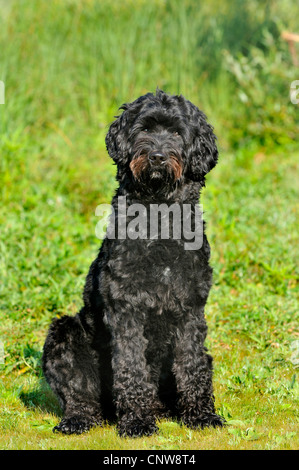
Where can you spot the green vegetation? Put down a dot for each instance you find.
(67, 66)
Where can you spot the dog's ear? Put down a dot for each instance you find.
(116, 138)
(202, 151)
(118, 143)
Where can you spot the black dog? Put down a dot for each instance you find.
(136, 348)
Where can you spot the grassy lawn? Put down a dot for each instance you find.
(252, 313)
(54, 171)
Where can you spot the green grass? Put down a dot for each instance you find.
(62, 89)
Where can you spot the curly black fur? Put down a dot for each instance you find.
(136, 348)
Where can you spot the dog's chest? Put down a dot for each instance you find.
(166, 274)
(156, 277)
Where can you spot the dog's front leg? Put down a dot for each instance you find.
(193, 373)
(134, 394)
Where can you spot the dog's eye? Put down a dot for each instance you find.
(175, 133)
(144, 130)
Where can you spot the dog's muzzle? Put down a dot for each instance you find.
(156, 158)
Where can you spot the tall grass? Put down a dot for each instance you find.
(77, 61)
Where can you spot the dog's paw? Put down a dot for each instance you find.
(204, 420)
(136, 427)
(76, 424)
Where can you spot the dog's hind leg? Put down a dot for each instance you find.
(71, 368)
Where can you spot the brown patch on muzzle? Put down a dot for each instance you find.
(138, 165)
(176, 167)
(173, 166)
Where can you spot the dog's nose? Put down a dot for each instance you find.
(157, 158)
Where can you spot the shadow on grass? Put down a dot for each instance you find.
(35, 392)
(41, 397)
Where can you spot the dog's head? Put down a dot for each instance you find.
(160, 139)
